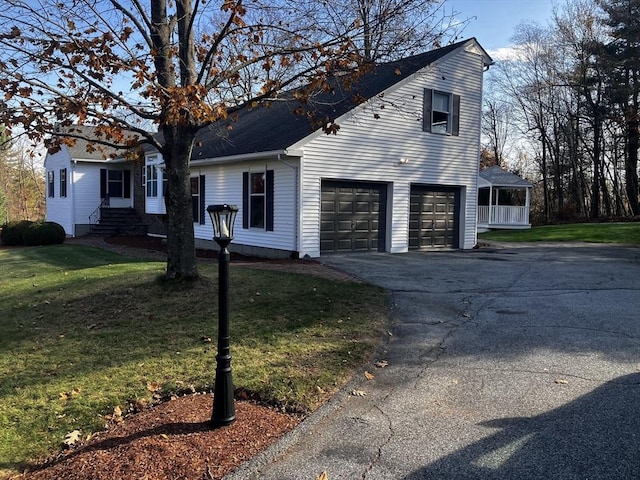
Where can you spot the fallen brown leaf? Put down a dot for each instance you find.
(154, 386)
(71, 438)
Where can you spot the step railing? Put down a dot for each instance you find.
(94, 218)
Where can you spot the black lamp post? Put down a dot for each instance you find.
(224, 412)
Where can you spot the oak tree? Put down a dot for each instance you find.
(128, 67)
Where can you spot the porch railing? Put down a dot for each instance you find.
(95, 215)
(503, 215)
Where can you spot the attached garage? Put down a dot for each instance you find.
(433, 217)
(353, 216)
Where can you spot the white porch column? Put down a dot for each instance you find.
(490, 204)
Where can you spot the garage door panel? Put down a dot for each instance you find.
(363, 225)
(344, 226)
(433, 217)
(345, 206)
(355, 221)
(327, 207)
(365, 207)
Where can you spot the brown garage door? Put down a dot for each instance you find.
(433, 219)
(352, 217)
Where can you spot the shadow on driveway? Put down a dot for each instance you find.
(596, 436)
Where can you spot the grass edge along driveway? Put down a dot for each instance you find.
(614, 232)
(86, 334)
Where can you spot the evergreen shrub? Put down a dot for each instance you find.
(44, 233)
(13, 232)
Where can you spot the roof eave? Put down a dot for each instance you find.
(246, 157)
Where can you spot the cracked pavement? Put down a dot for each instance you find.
(507, 362)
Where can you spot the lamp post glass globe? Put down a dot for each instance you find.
(223, 218)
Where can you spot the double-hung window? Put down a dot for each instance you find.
(257, 200)
(63, 182)
(115, 187)
(441, 112)
(151, 178)
(115, 183)
(197, 199)
(51, 184)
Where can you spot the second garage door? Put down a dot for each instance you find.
(433, 219)
(352, 217)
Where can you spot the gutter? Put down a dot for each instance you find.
(269, 155)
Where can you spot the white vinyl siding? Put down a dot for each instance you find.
(224, 185)
(370, 149)
(60, 209)
(86, 190)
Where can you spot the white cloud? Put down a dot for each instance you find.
(506, 53)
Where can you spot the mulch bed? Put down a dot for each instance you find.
(173, 440)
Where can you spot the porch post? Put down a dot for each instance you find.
(527, 204)
(490, 220)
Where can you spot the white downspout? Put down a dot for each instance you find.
(72, 184)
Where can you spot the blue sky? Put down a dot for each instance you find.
(497, 19)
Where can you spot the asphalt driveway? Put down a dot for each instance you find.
(507, 362)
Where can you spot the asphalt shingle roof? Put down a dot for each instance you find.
(501, 178)
(79, 149)
(264, 129)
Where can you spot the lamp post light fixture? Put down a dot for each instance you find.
(224, 412)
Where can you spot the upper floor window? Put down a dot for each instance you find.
(441, 112)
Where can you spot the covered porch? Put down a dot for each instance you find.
(503, 200)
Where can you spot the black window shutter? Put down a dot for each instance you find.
(202, 202)
(426, 110)
(127, 184)
(269, 201)
(455, 119)
(103, 183)
(245, 199)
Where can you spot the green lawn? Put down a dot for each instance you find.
(628, 233)
(83, 331)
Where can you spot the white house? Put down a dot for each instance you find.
(401, 173)
(82, 184)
